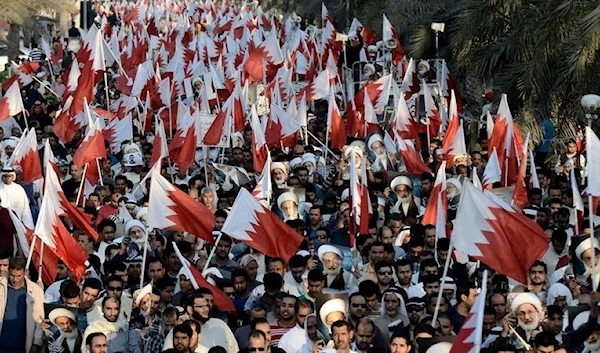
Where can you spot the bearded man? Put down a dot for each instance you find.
(407, 202)
(338, 279)
(288, 204)
(69, 340)
(525, 317)
(136, 230)
(14, 197)
(584, 252)
(279, 174)
(116, 330)
(381, 161)
(145, 310)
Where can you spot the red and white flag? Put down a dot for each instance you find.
(159, 146)
(92, 146)
(118, 131)
(495, 234)
(25, 238)
(492, 173)
(402, 124)
(412, 159)
(267, 52)
(318, 88)
(22, 74)
(468, 339)
(11, 103)
(520, 198)
(454, 141)
(26, 157)
(431, 111)
(507, 141)
(359, 196)
(261, 229)
(433, 207)
(389, 33)
(593, 144)
(410, 83)
(379, 91)
(222, 301)
(335, 124)
(489, 125)
(51, 230)
(171, 208)
(578, 206)
(259, 143)
(264, 189)
(534, 181)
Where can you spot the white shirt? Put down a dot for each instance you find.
(214, 332)
(288, 278)
(13, 197)
(293, 340)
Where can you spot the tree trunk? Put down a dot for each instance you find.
(13, 41)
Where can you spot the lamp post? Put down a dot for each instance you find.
(437, 27)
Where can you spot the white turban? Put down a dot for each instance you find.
(526, 298)
(559, 290)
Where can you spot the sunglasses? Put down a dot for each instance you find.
(257, 349)
(413, 309)
(383, 273)
(111, 288)
(359, 305)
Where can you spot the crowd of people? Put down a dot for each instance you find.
(373, 269)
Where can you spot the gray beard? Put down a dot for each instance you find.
(70, 335)
(332, 272)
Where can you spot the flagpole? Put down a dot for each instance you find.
(30, 255)
(322, 144)
(591, 213)
(212, 252)
(105, 76)
(41, 260)
(99, 172)
(81, 184)
(144, 261)
(440, 291)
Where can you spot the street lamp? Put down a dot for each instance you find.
(437, 27)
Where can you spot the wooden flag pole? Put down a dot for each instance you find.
(440, 292)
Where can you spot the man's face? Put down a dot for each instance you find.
(156, 270)
(289, 208)
(8, 178)
(201, 309)
(377, 254)
(98, 345)
(415, 312)
(572, 147)
(123, 275)
(555, 323)
(65, 324)
(558, 246)
(331, 261)
(322, 236)
(303, 312)
(315, 217)
(114, 288)
(528, 316)
(297, 273)
(276, 267)
(302, 176)
(88, 297)
(181, 342)
(4, 267)
(341, 337)
(372, 303)
(16, 278)
(426, 185)
(399, 345)
(562, 222)
(364, 336)
(240, 285)
(470, 300)
(257, 345)
(432, 288)
(358, 307)
(286, 309)
(430, 237)
(108, 234)
(392, 303)
(384, 276)
(266, 329)
(404, 275)
(427, 270)
(315, 287)
(219, 221)
(537, 275)
(111, 310)
(415, 252)
(169, 321)
(489, 321)
(499, 305)
(555, 194)
(387, 236)
(166, 295)
(446, 326)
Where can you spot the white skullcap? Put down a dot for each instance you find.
(401, 180)
(294, 162)
(350, 149)
(345, 194)
(9, 142)
(131, 148)
(134, 223)
(526, 298)
(332, 306)
(456, 183)
(309, 158)
(287, 196)
(585, 245)
(374, 138)
(147, 289)
(326, 248)
(61, 312)
(425, 63)
(581, 319)
(559, 290)
(303, 253)
(440, 347)
(278, 165)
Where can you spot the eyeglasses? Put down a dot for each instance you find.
(257, 349)
(412, 309)
(383, 273)
(359, 305)
(111, 288)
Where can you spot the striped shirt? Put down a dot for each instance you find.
(277, 332)
(36, 54)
